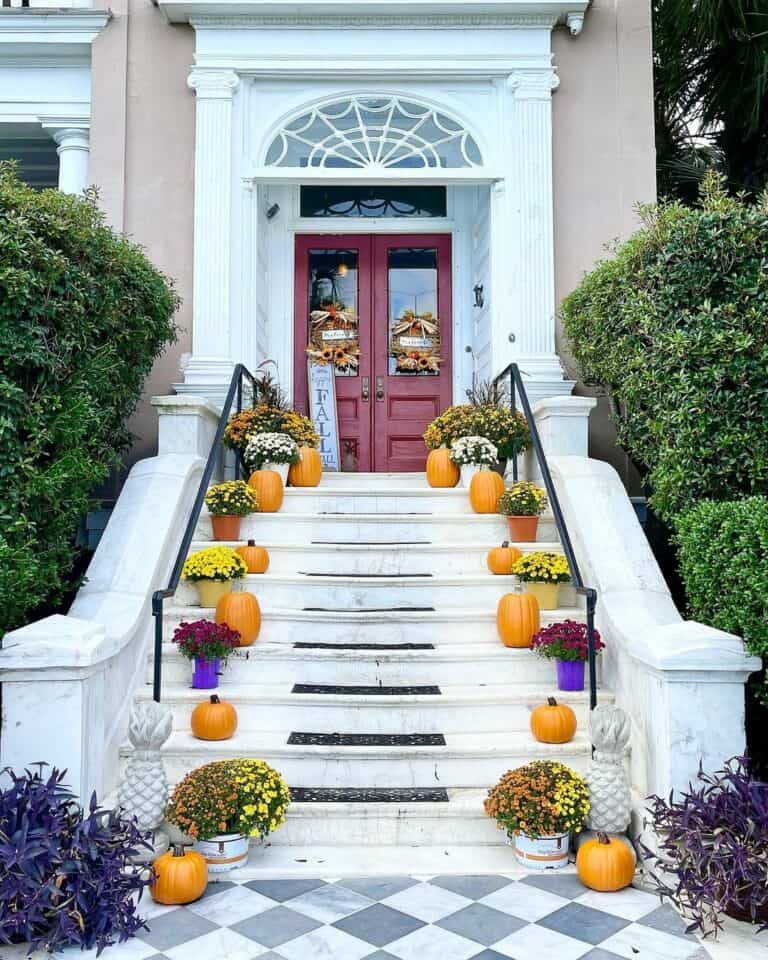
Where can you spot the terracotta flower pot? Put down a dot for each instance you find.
(522, 529)
(547, 594)
(226, 526)
(211, 591)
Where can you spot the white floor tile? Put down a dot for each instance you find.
(231, 906)
(326, 943)
(433, 943)
(426, 902)
(537, 943)
(524, 901)
(629, 903)
(216, 944)
(637, 942)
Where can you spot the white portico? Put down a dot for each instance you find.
(460, 72)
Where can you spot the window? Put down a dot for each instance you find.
(368, 131)
(380, 201)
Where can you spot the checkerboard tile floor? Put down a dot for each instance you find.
(404, 918)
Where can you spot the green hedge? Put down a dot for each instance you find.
(83, 315)
(723, 555)
(675, 327)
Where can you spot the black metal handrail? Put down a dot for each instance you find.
(234, 396)
(517, 388)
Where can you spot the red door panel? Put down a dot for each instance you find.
(382, 409)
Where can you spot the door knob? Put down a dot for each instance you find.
(366, 389)
(380, 389)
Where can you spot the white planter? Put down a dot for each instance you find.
(540, 853)
(468, 470)
(281, 468)
(224, 852)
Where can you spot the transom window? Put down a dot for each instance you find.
(369, 131)
(386, 200)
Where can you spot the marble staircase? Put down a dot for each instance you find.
(378, 685)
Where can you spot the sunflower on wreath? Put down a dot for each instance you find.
(418, 361)
(344, 356)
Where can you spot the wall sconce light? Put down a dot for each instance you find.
(479, 298)
(273, 211)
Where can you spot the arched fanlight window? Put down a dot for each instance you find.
(371, 131)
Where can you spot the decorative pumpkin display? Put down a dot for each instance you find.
(256, 558)
(500, 559)
(441, 470)
(553, 722)
(517, 619)
(308, 471)
(269, 489)
(213, 720)
(605, 863)
(240, 611)
(484, 491)
(181, 876)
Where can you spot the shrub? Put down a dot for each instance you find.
(540, 798)
(233, 498)
(83, 315)
(522, 499)
(675, 327)
(468, 450)
(509, 431)
(66, 876)
(713, 848)
(723, 557)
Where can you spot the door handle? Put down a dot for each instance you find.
(366, 389)
(380, 389)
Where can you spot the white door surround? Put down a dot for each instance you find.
(480, 82)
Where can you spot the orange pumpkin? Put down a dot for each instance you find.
(213, 720)
(241, 612)
(181, 876)
(500, 559)
(307, 472)
(256, 558)
(553, 722)
(269, 489)
(605, 863)
(441, 470)
(517, 619)
(484, 491)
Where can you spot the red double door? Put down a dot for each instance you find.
(381, 305)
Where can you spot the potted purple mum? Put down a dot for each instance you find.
(207, 645)
(567, 643)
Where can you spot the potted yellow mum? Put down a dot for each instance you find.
(542, 573)
(227, 504)
(212, 570)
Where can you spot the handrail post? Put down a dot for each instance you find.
(513, 407)
(591, 598)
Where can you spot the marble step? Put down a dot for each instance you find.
(467, 760)
(298, 528)
(379, 481)
(365, 559)
(441, 628)
(466, 663)
(373, 593)
(455, 709)
(384, 498)
(462, 821)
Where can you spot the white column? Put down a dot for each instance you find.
(534, 267)
(74, 151)
(209, 369)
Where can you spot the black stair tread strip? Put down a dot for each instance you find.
(368, 576)
(369, 739)
(370, 543)
(307, 645)
(368, 609)
(375, 691)
(369, 795)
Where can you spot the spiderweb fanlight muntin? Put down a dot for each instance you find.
(373, 131)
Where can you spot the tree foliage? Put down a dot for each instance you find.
(83, 315)
(711, 90)
(675, 326)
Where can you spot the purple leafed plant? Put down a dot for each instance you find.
(206, 640)
(66, 876)
(566, 640)
(713, 848)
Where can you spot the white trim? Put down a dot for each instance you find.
(370, 175)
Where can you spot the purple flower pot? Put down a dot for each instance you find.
(570, 674)
(205, 675)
